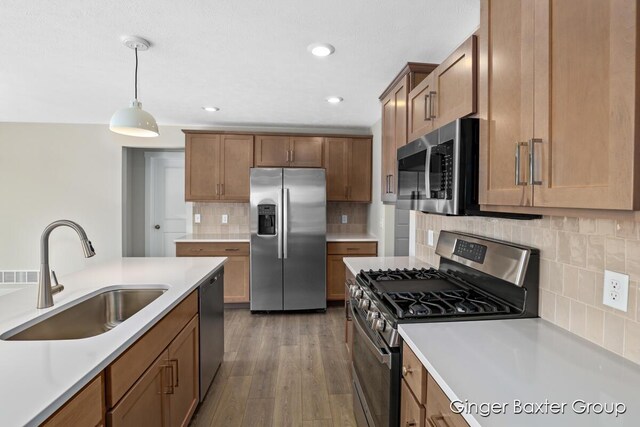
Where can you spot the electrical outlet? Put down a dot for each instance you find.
(430, 237)
(196, 218)
(345, 219)
(616, 290)
(225, 219)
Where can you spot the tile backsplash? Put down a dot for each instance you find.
(574, 253)
(211, 218)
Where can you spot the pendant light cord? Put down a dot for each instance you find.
(136, 76)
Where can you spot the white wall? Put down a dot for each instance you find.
(53, 171)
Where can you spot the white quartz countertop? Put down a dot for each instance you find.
(214, 238)
(246, 237)
(355, 264)
(38, 377)
(530, 360)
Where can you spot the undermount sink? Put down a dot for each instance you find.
(94, 316)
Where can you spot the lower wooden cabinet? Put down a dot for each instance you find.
(86, 408)
(184, 362)
(236, 269)
(412, 413)
(336, 269)
(438, 409)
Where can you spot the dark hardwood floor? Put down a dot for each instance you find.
(281, 370)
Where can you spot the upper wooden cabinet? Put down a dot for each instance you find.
(217, 167)
(564, 92)
(448, 93)
(288, 151)
(348, 165)
(394, 122)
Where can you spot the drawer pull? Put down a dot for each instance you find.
(438, 421)
(170, 387)
(196, 249)
(353, 249)
(406, 371)
(410, 423)
(172, 361)
(232, 249)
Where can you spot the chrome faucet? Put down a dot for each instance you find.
(45, 290)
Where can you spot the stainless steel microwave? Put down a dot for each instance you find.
(438, 173)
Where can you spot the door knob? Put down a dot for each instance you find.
(157, 226)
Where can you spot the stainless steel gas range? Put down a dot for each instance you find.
(478, 279)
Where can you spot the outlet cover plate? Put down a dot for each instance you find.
(616, 290)
(345, 219)
(225, 218)
(430, 237)
(196, 218)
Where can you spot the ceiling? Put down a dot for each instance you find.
(63, 61)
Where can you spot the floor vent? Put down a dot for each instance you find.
(19, 277)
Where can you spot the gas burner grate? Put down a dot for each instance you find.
(405, 274)
(452, 303)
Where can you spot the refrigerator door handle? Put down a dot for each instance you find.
(285, 223)
(279, 230)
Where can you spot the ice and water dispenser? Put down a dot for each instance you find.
(267, 220)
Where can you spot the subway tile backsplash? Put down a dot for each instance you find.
(574, 253)
(211, 218)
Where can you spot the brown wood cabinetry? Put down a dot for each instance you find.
(564, 91)
(348, 166)
(422, 401)
(85, 408)
(336, 270)
(155, 382)
(288, 151)
(448, 93)
(236, 269)
(217, 167)
(394, 122)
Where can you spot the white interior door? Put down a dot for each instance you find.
(167, 210)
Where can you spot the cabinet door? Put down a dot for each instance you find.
(86, 408)
(236, 155)
(438, 409)
(272, 151)
(388, 146)
(360, 170)
(306, 152)
(183, 357)
(585, 106)
(236, 279)
(202, 170)
(421, 104)
(411, 412)
(147, 402)
(505, 100)
(337, 168)
(455, 85)
(335, 278)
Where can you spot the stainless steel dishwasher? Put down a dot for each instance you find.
(211, 302)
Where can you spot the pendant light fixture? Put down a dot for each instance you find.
(134, 121)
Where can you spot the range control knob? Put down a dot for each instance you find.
(357, 294)
(353, 289)
(371, 315)
(379, 325)
(364, 303)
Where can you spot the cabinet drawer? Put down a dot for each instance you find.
(352, 248)
(86, 408)
(212, 249)
(412, 413)
(127, 368)
(414, 373)
(439, 412)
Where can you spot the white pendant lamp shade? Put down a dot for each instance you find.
(134, 121)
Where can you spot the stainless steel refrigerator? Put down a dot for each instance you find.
(288, 239)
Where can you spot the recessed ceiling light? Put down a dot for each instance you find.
(321, 49)
(334, 99)
(211, 109)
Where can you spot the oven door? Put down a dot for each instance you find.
(376, 377)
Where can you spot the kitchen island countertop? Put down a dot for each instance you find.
(38, 377)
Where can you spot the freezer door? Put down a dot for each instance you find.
(266, 259)
(304, 239)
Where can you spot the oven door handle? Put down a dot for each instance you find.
(381, 354)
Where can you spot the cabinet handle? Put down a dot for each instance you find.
(232, 249)
(391, 185)
(518, 145)
(410, 423)
(169, 369)
(431, 95)
(352, 249)
(532, 160)
(293, 153)
(406, 371)
(222, 189)
(287, 156)
(386, 190)
(434, 420)
(196, 249)
(172, 361)
(217, 189)
(427, 105)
